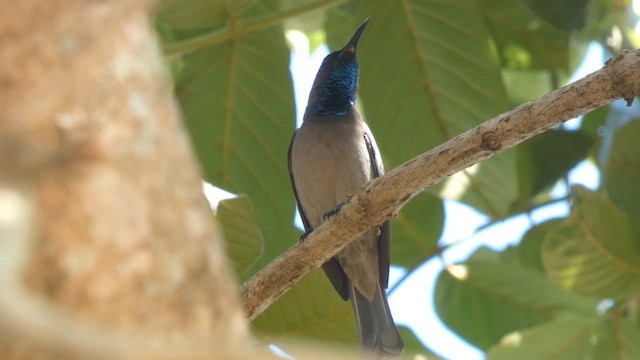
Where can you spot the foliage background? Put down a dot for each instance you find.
(430, 69)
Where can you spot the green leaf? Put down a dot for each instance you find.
(416, 231)
(622, 175)
(572, 337)
(486, 300)
(311, 309)
(241, 233)
(523, 41)
(595, 251)
(617, 338)
(544, 159)
(530, 248)
(188, 14)
(566, 15)
(566, 338)
(237, 100)
(440, 78)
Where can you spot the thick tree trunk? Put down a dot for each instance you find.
(101, 208)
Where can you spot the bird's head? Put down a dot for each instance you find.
(334, 89)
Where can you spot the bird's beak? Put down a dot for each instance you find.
(352, 45)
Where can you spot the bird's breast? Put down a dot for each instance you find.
(329, 163)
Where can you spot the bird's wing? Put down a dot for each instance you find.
(332, 267)
(305, 222)
(384, 242)
(374, 154)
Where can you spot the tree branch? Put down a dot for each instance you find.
(383, 197)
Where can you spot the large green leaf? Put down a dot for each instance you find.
(428, 73)
(523, 41)
(547, 157)
(237, 100)
(483, 300)
(596, 250)
(416, 231)
(572, 337)
(566, 338)
(311, 309)
(622, 176)
(241, 233)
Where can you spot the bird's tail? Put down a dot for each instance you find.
(377, 333)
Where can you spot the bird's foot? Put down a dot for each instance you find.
(304, 236)
(331, 213)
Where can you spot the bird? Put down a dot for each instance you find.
(331, 156)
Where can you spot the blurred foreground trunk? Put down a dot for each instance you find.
(107, 246)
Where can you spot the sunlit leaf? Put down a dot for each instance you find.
(565, 338)
(484, 300)
(572, 337)
(595, 251)
(523, 41)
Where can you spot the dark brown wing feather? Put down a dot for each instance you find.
(384, 242)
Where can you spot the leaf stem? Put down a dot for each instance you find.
(229, 30)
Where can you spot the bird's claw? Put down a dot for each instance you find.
(329, 214)
(304, 235)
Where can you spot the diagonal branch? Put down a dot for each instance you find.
(383, 197)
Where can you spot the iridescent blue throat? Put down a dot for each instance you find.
(338, 92)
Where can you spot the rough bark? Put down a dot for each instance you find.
(115, 254)
(382, 198)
